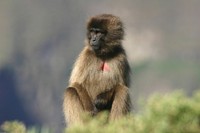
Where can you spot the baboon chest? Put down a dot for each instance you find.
(101, 79)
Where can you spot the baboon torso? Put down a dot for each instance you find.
(88, 71)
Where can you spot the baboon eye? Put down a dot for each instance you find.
(91, 30)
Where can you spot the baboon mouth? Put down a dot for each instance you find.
(95, 47)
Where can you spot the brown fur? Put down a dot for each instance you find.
(89, 85)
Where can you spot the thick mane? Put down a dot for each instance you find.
(109, 23)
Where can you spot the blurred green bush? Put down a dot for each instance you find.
(168, 113)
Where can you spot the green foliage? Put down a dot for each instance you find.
(172, 113)
(13, 127)
(169, 113)
(19, 127)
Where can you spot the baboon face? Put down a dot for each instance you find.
(96, 38)
(103, 30)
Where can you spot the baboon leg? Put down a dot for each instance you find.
(76, 103)
(121, 102)
(72, 106)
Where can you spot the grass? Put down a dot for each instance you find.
(169, 113)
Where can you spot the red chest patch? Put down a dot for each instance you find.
(105, 67)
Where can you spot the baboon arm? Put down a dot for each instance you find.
(121, 102)
(84, 97)
(76, 103)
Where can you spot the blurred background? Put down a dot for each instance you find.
(40, 39)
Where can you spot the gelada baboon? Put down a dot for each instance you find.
(100, 78)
